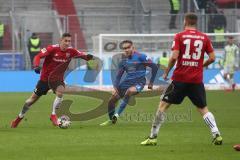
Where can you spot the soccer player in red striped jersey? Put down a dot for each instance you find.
(189, 47)
(56, 60)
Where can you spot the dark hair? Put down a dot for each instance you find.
(66, 35)
(164, 54)
(191, 19)
(125, 41)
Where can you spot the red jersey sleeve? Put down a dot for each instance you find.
(79, 54)
(209, 47)
(176, 43)
(43, 53)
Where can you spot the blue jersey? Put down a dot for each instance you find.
(135, 69)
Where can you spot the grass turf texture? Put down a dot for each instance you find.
(183, 136)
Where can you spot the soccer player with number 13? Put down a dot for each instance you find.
(188, 49)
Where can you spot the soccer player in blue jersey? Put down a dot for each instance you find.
(134, 65)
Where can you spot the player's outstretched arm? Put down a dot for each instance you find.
(87, 57)
(83, 55)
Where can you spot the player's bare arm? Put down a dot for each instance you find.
(84, 55)
(210, 59)
(171, 63)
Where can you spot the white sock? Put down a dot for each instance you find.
(210, 121)
(157, 122)
(56, 104)
(117, 115)
(25, 108)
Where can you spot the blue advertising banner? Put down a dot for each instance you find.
(11, 61)
(25, 81)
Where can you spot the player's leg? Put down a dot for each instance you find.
(197, 95)
(58, 90)
(41, 89)
(130, 92)
(211, 122)
(232, 83)
(111, 104)
(28, 103)
(159, 118)
(111, 107)
(31, 100)
(59, 98)
(172, 95)
(228, 72)
(157, 123)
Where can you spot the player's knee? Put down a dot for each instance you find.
(203, 110)
(30, 101)
(59, 91)
(129, 92)
(59, 94)
(163, 106)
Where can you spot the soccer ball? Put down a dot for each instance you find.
(64, 122)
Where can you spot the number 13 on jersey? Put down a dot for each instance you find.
(196, 55)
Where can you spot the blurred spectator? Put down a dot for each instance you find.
(217, 23)
(34, 43)
(175, 7)
(216, 17)
(1, 34)
(202, 3)
(163, 61)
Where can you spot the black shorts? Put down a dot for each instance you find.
(42, 87)
(195, 92)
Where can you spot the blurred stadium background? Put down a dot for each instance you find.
(95, 24)
(86, 19)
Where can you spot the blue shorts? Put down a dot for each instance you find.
(122, 90)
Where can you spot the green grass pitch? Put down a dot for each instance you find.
(183, 137)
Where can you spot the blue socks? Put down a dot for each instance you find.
(123, 104)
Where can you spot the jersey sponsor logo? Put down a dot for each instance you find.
(60, 60)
